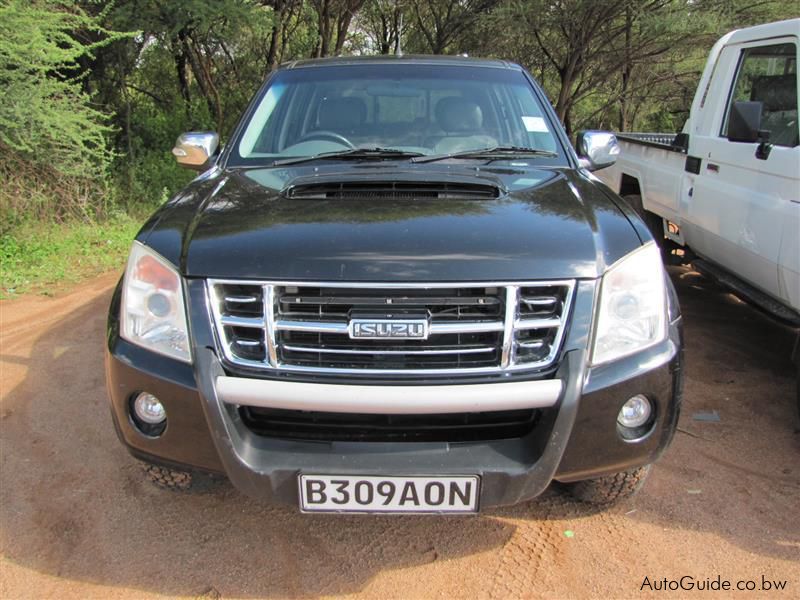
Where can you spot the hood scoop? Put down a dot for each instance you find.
(392, 190)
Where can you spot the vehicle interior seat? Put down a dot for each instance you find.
(778, 93)
(461, 120)
(342, 115)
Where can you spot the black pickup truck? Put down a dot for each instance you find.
(397, 288)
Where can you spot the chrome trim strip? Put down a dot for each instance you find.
(512, 300)
(379, 285)
(249, 343)
(435, 328)
(466, 327)
(522, 324)
(531, 345)
(539, 300)
(242, 322)
(383, 399)
(320, 350)
(311, 326)
(269, 317)
(241, 299)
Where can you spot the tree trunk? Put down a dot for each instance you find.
(179, 57)
(627, 67)
(276, 38)
(203, 78)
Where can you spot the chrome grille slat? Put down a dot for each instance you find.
(535, 345)
(473, 328)
(251, 343)
(234, 321)
(436, 328)
(380, 301)
(431, 351)
(539, 301)
(466, 327)
(536, 323)
(241, 299)
(311, 326)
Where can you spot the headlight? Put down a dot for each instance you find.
(632, 310)
(153, 313)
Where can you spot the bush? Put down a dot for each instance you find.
(54, 154)
(36, 257)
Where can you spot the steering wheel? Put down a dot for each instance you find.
(326, 135)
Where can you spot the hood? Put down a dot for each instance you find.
(544, 224)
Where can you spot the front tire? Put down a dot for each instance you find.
(166, 478)
(611, 489)
(178, 480)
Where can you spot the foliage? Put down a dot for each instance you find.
(42, 107)
(54, 152)
(37, 257)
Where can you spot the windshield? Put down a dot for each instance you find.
(418, 109)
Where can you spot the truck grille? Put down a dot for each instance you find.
(469, 328)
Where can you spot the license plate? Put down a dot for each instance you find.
(368, 494)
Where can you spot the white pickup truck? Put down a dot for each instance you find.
(727, 189)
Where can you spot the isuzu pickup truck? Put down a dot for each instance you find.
(396, 289)
(727, 189)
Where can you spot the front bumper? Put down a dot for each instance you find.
(576, 439)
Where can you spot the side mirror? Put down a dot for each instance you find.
(744, 122)
(195, 149)
(597, 149)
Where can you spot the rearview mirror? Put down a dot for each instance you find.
(744, 122)
(597, 149)
(195, 149)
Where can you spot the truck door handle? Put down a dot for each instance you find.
(712, 167)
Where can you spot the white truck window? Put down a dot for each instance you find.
(768, 74)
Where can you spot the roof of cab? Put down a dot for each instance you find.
(403, 59)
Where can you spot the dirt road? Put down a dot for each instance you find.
(78, 520)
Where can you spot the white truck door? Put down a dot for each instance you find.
(740, 203)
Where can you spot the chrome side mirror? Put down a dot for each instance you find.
(597, 149)
(195, 149)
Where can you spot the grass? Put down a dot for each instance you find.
(43, 257)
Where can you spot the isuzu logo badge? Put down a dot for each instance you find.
(377, 329)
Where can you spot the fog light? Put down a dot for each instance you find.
(148, 409)
(635, 412)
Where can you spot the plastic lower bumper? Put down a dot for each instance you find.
(577, 439)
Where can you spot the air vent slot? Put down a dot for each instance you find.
(242, 300)
(542, 302)
(454, 427)
(393, 190)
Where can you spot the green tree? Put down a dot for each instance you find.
(54, 141)
(45, 116)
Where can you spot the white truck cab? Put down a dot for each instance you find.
(727, 189)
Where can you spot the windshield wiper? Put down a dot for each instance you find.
(355, 153)
(493, 153)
